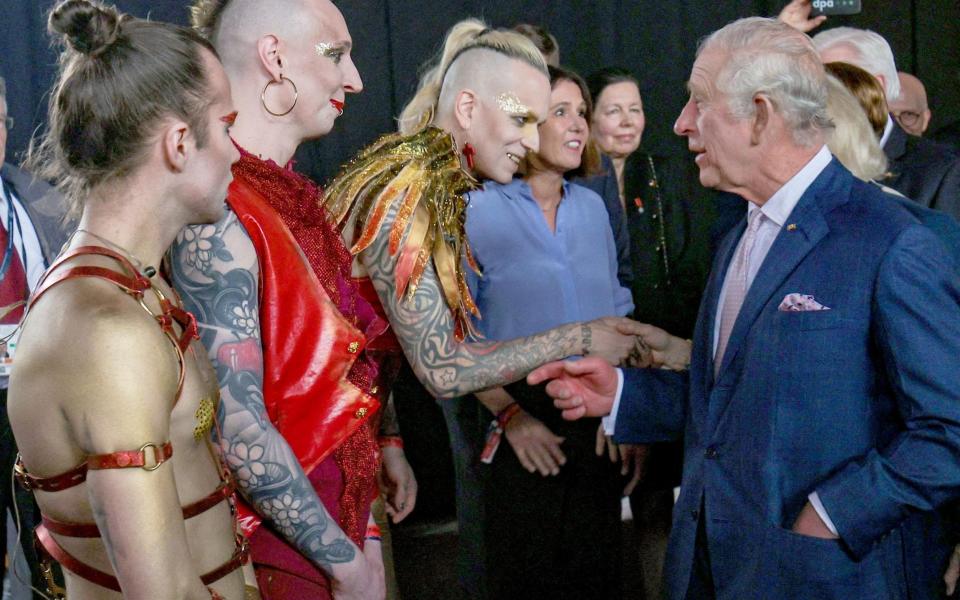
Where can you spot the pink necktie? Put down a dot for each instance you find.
(736, 287)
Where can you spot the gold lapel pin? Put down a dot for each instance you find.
(792, 227)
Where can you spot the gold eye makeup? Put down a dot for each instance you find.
(510, 104)
(332, 51)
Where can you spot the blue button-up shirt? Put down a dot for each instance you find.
(535, 279)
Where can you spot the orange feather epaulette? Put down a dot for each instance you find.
(420, 177)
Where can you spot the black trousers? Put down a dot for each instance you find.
(25, 504)
(554, 537)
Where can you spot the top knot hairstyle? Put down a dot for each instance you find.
(87, 28)
(119, 78)
(466, 36)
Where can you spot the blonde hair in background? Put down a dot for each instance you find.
(852, 140)
(465, 36)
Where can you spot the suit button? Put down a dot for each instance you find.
(694, 514)
(711, 452)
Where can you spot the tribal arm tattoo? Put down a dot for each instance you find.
(215, 270)
(425, 328)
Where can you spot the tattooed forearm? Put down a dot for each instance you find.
(215, 270)
(424, 326)
(271, 479)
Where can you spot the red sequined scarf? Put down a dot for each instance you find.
(298, 202)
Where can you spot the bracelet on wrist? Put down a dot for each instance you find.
(495, 431)
(373, 533)
(505, 415)
(394, 441)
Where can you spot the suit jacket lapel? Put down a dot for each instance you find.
(788, 250)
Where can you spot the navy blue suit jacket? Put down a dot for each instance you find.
(860, 403)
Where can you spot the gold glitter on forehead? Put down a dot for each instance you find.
(510, 104)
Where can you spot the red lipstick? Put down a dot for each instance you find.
(337, 104)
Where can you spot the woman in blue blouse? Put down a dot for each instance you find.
(546, 250)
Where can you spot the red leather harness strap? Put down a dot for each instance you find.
(48, 546)
(239, 558)
(77, 475)
(63, 481)
(135, 286)
(132, 458)
(48, 549)
(90, 530)
(223, 491)
(77, 530)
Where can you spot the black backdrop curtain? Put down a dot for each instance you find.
(656, 39)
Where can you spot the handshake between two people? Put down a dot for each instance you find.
(587, 387)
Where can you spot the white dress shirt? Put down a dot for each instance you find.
(886, 131)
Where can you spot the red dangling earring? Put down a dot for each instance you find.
(469, 152)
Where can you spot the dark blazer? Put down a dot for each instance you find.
(949, 135)
(46, 207)
(669, 217)
(924, 171)
(858, 403)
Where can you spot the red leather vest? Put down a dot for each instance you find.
(308, 346)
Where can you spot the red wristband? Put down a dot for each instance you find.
(504, 416)
(495, 432)
(373, 532)
(394, 441)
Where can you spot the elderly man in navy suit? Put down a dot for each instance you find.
(821, 411)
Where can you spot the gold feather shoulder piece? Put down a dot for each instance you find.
(420, 177)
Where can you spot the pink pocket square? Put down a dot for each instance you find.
(800, 303)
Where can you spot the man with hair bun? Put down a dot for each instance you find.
(819, 415)
(112, 400)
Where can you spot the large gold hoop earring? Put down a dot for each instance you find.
(263, 100)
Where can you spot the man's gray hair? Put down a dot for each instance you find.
(770, 57)
(874, 53)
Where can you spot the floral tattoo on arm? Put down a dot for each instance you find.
(214, 269)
